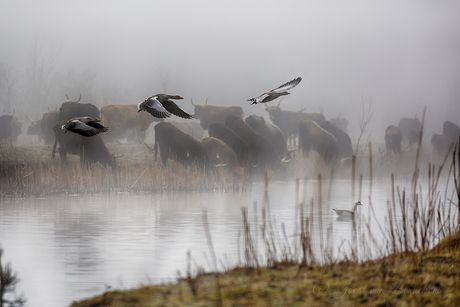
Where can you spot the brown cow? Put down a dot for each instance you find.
(208, 114)
(221, 155)
(120, 117)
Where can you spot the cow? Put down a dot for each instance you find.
(288, 121)
(451, 130)
(262, 152)
(122, 117)
(208, 114)
(345, 146)
(220, 154)
(233, 140)
(271, 132)
(90, 149)
(48, 121)
(6, 127)
(10, 128)
(189, 127)
(312, 136)
(72, 109)
(179, 146)
(406, 125)
(441, 144)
(340, 122)
(393, 139)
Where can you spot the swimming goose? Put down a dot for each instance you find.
(348, 212)
(160, 106)
(85, 126)
(275, 93)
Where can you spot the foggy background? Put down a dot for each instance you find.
(395, 56)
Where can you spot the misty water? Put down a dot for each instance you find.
(66, 248)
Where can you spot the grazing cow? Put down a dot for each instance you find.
(393, 139)
(345, 146)
(73, 109)
(406, 125)
(121, 117)
(271, 132)
(233, 140)
(340, 122)
(288, 121)
(90, 149)
(221, 155)
(213, 114)
(262, 153)
(178, 145)
(312, 136)
(189, 127)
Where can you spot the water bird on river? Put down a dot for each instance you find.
(347, 213)
(85, 126)
(275, 93)
(161, 106)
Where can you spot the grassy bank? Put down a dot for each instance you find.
(412, 279)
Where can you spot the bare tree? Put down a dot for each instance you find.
(41, 75)
(8, 281)
(8, 80)
(367, 112)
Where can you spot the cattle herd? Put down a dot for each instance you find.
(236, 143)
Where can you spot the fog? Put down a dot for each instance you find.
(399, 56)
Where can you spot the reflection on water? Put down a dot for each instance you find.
(71, 247)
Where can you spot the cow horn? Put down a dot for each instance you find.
(78, 98)
(279, 103)
(206, 101)
(191, 100)
(67, 97)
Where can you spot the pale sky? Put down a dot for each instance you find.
(402, 55)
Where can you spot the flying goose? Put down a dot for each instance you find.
(161, 106)
(85, 126)
(275, 93)
(347, 213)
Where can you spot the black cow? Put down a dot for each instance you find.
(6, 128)
(288, 121)
(10, 128)
(262, 153)
(271, 132)
(451, 130)
(312, 136)
(393, 139)
(345, 146)
(90, 149)
(43, 127)
(406, 125)
(233, 140)
(441, 143)
(73, 109)
(178, 145)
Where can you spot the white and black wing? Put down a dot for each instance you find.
(259, 98)
(154, 107)
(287, 86)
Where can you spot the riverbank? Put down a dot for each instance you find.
(413, 279)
